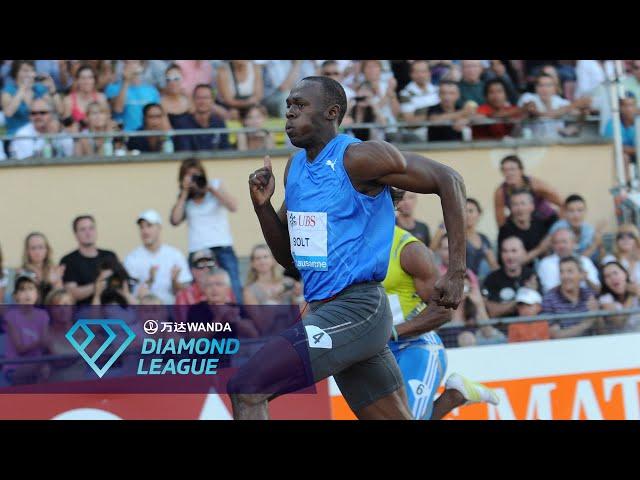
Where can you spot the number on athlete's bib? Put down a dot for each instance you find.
(419, 389)
(318, 338)
(308, 234)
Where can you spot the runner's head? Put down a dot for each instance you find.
(315, 108)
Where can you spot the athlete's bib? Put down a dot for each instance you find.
(308, 235)
(396, 309)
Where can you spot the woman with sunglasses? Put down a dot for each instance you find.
(173, 99)
(83, 93)
(626, 250)
(619, 292)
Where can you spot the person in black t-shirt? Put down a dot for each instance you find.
(522, 223)
(154, 119)
(448, 109)
(82, 265)
(500, 286)
(406, 220)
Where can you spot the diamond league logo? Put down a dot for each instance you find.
(107, 326)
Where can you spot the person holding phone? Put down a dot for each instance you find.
(205, 204)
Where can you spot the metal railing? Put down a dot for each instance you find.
(212, 131)
(449, 333)
(550, 317)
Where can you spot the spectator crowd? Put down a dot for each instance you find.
(106, 103)
(548, 260)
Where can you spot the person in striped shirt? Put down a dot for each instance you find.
(570, 297)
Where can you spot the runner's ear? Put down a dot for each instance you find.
(333, 112)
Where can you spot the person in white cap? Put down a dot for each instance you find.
(529, 304)
(159, 268)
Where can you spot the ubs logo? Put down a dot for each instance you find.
(292, 219)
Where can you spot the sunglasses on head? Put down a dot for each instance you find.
(173, 79)
(39, 112)
(332, 74)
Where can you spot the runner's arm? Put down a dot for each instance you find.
(274, 226)
(381, 163)
(417, 260)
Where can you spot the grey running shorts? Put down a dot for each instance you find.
(347, 337)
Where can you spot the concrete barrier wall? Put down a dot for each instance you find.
(46, 198)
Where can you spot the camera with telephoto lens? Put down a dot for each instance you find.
(119, 276)
(199, 180)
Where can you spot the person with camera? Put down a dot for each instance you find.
(82, 266)
(366, 109)
(113, 285)
(205, 204)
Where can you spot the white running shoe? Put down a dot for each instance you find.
(473, 392)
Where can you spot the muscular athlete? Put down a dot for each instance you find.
(336, 227)
(417, 348)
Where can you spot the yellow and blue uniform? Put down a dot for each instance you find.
(422, 359)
